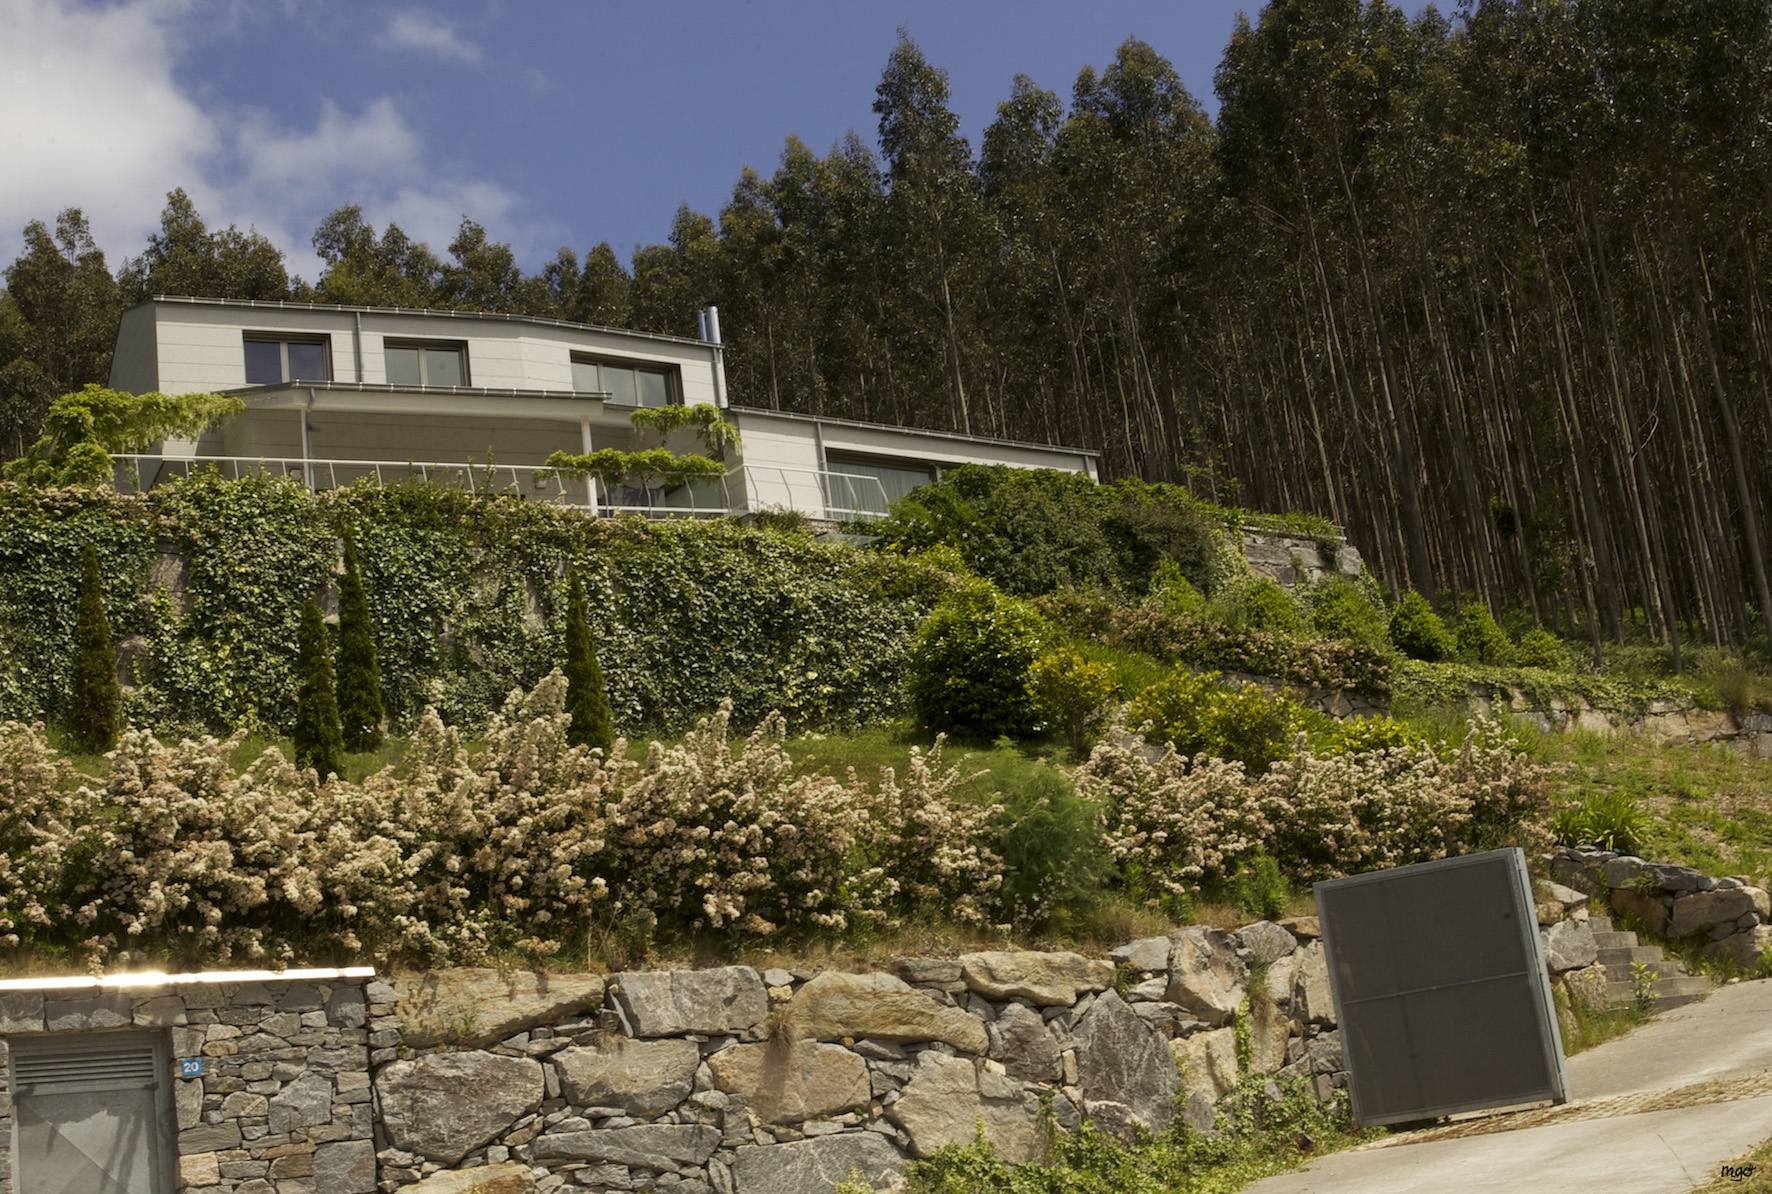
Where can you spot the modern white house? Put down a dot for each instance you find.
(336, 394)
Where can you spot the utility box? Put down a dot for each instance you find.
(93, 1112)
(1440, 988)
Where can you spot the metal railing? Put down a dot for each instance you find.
(813, 492)
(840, 496)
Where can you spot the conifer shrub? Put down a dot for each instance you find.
(969, 666)
(1417, 631)
(586, 700)
(94, 699)
(1479, 639)
(319, 743)
(1259, 888)
(360, 709)
(1538, 647)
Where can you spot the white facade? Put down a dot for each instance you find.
(338, 393)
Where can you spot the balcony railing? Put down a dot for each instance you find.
(746, 489)
(816, 493)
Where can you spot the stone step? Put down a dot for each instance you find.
(1619, 958)
(1616, 940)
(1599, 924)
(1672, 991)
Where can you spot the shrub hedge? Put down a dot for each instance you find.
(469, 599)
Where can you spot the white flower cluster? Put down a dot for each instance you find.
(457, 855)
(1175, 823)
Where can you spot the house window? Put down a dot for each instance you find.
(426, 362)
(272, 360)
(896, 477)
(625, 382)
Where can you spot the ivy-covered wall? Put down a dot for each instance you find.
(207, 577)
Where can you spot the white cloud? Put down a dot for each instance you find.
(417, 31)
(93, 118)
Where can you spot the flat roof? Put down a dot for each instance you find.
(953, 435)
(428, 312)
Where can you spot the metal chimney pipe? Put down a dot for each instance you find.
(713, 317)
(701, 324)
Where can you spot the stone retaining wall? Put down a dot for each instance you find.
(285, 1104)
(1661, 722)
(1725, 918)
(782, 1082)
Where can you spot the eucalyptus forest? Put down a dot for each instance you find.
(1483, 289)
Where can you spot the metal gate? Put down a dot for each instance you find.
(92, 1114)
(1440, 988)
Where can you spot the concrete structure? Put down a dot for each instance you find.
(334, 394)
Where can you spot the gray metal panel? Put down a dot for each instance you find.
(92, 1113)
(1440, 988)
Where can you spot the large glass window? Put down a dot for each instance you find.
(896, 478)
(425, 363)
(625, 383)
(272, 360)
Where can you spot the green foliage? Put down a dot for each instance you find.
(1175, 593)
(1361, 735)
(1259, 889)
(93, 716)
(648, 469)
(1202, 716)
(1034, 531)
(717, 435)
(318, 741)
(969, 667)
(468, 599)
(1054, 862)
(1612, 820)
(1201, 643)
(82, 429)
(360, 710)
(1479, 639)
(593, 724)
(1256, 1138)
(1072, 693)
(1342, 610)
(1540, 648)
(1417, 631)
(1267, 606)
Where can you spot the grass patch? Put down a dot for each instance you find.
(1750, 1173)
(1596, 1026)
(1258, 1139)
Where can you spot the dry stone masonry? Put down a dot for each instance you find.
(731, 1081)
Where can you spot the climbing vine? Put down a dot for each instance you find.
(468, 598)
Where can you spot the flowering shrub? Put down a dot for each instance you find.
(1173, 823)
(452, 855)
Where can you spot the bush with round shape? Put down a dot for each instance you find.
(1266, 606)
(1479, 639)
(1417, 631)
(319, 743)
(1538, 647)
(969, 665)
(1202, 716)
(1072, 694)
(1340, 611)
(94, 697)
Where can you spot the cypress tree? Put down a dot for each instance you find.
(592, 722)
(359, 680)
(94, 702)
(318, 742)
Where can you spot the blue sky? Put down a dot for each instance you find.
(551, 123)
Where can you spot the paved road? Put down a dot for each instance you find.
(1656, 1112)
